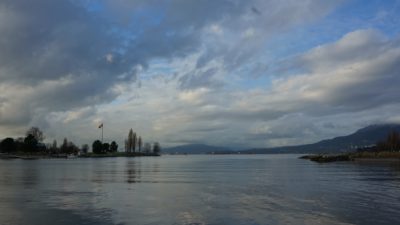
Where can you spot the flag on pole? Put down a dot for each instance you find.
(101, 125)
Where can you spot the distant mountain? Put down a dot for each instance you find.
(196, 149)
(364, 137)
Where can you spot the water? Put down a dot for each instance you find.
(223, 189)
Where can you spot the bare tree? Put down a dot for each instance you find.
(140, 144)
(134, 141)
(36, 133)
(130, 141)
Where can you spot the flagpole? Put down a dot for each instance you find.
(101, 126)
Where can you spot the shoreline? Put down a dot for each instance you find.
(65, 156)
(384, 156)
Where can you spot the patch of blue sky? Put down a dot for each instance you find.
(141, 20)
(367, 14)
(248, 77)
(94, 6)
(148, 17)
(117, 101)
(353, 15)
(160, 66)
(91, 6)
(350, 16)
(263, 82)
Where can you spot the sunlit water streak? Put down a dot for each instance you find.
(222, 189)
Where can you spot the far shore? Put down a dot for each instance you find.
(384, 156)
(65, 156)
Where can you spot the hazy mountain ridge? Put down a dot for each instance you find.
(366, 136)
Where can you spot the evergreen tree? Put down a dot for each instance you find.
(130, 141)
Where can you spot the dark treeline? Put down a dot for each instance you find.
(32, 144)
(104, 148)
(390, 144)
(388, 148)
(134, 144)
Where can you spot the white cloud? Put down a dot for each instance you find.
(188, 76)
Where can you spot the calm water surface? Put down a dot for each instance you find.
(226, 189)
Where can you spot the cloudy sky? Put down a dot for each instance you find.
(237, 73)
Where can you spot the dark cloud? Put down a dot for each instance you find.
(51, 40)
(72, 63)
(72, 56)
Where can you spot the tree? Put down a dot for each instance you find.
(106, 148)
(64, 146)
(156, 148)
(30, 143)
(19, 142)
(72, 148)
(134, 141)
(140, 144)
(36, 133)
(113, 147)
(97, 147)
(393, 141)
(68, 147)
(130, 141)
(8, 145)
(53, 148)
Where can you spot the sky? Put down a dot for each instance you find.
(235, 73)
